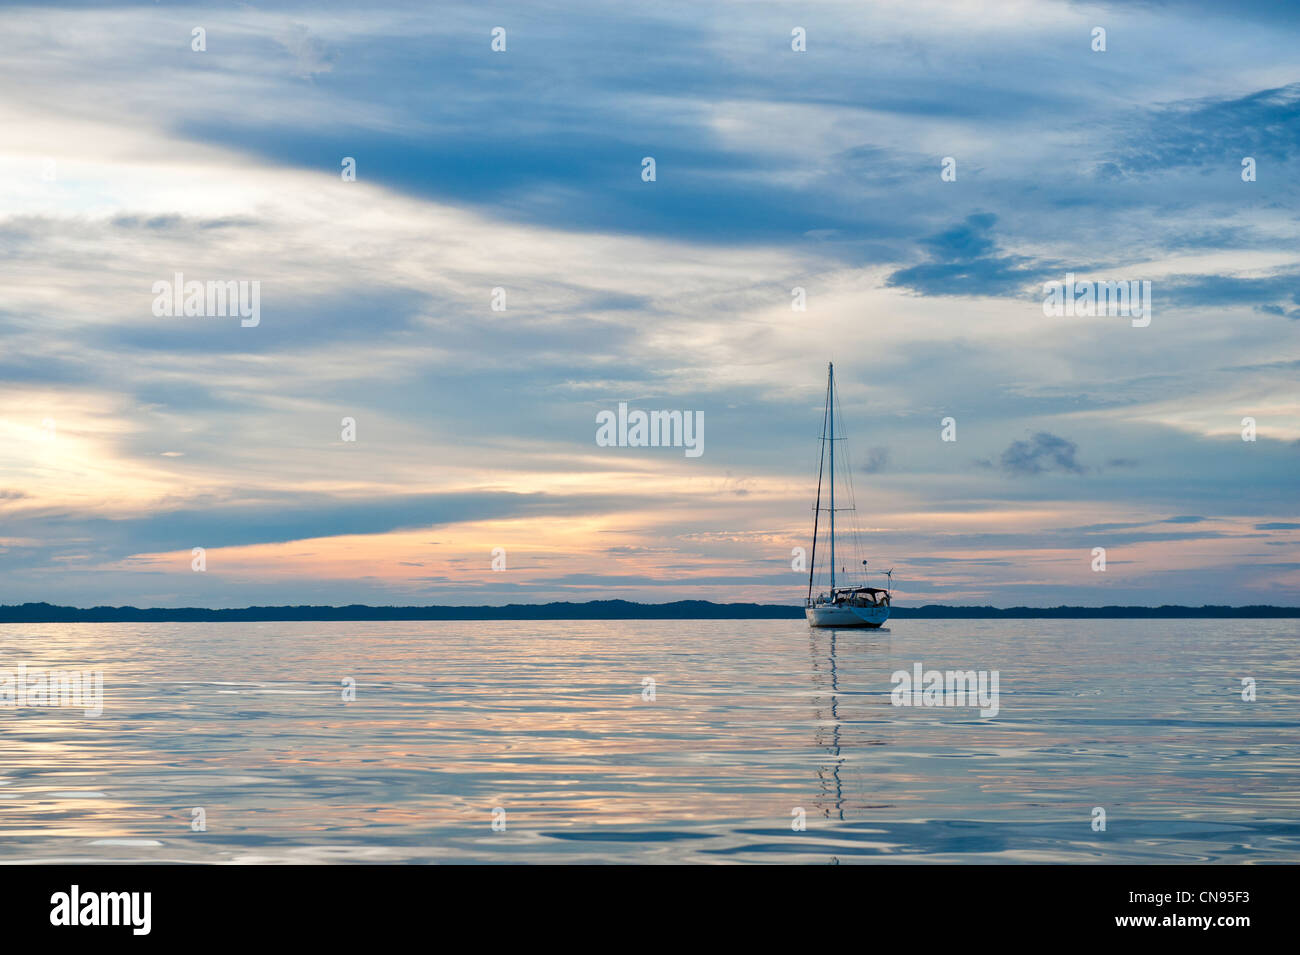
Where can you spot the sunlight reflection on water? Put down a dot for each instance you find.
(751, 719)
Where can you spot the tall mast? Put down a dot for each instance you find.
(830, 399)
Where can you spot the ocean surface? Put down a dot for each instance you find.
(546, 729)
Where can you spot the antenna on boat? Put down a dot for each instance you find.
(890, 574)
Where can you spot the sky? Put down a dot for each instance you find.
(130, 438)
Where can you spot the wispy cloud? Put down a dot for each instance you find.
(127, 439)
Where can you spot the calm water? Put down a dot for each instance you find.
(751, 719)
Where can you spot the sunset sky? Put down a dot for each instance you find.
(127, 439)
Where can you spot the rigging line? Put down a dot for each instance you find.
(854, 529)
(858, 547)
(817, 509)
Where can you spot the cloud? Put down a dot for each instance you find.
(1277, 294)
(1041, 453)
(309, 51)
(875, 462)
(963, 261)
(293, 516)
(1215, 131)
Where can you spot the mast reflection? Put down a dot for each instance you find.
(841, 715)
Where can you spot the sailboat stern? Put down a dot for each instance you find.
(842, 615)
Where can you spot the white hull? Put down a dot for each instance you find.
(828, 615)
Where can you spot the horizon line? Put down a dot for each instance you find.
(615, 609)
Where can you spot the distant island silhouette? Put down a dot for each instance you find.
(599, 610)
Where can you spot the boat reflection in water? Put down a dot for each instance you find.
(843, 716)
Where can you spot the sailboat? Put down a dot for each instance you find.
(845, 605)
